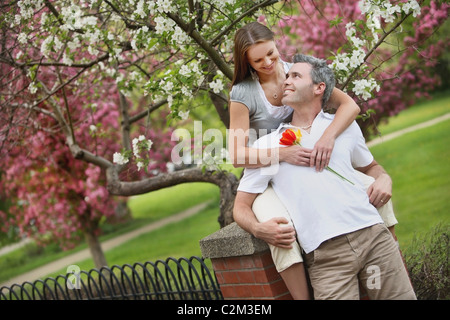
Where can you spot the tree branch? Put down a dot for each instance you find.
(263, 4)
(75, 149)
(210, 50)
(87, 156)
(125, 121)
(380, 41)
(145, 113)
(123, 188)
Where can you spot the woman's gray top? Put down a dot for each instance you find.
(264, 117)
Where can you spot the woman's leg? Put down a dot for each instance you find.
(295, 279)
(287, 261)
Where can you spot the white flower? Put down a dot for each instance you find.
(32, 87)
(119, 158)
(22, 38)
(136, 148)
(351, 31)
(390, 9)
(133, 45)
(184, 114)
(179, 36)
(140, 144)
(364, 87)
(187, 92)
(140, 165)
(357, 58)
(151, 7)
(163, 25)
(90, 21)
(216, 85)
(67, 60)
(74, 44)
(415, 7)
(341, 63)
(185, 70)
(357, 41)
(165, 6)
(167, 86)
(220, 4)
(364, 6)
(140, 9)
(93, 51)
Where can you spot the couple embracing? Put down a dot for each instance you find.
(340, 217)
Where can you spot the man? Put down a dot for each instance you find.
(341, 233)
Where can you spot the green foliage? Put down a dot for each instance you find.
(427, 260)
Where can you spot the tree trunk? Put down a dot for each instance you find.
(228, 188)
(96, 249)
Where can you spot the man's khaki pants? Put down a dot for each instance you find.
(369, 255)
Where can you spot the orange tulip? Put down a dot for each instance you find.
(289, 137)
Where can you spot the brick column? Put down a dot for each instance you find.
(243, 265)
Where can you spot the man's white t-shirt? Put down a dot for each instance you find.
(321, 204)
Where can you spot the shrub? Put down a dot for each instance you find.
(428, 264)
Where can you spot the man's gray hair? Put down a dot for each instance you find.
(320, 72)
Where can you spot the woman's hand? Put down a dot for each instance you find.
(321, 154)
(296, 155)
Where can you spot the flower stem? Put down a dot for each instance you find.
(331, 170)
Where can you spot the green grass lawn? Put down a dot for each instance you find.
(175, 240)
(418, 163)
(421, 112)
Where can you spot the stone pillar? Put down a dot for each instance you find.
(243, 265)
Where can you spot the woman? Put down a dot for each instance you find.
(255, 109)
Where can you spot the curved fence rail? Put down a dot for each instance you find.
(172, 279)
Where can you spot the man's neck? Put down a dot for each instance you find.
(304, 117)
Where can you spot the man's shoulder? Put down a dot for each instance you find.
(353, 128)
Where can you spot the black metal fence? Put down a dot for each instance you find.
(172, 279)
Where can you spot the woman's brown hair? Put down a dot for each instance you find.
(245, 37)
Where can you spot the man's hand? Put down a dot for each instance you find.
(380, 191)
(276, 232)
